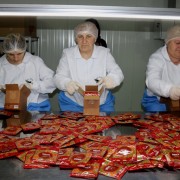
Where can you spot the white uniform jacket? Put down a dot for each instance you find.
(73, 67)
(32, 68)
(161, 73)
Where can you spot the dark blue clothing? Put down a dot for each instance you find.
(152, 104)
(66, 104)
(43, 106)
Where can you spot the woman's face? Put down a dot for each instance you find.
(85, 42)
(15, 57)
(173, 48)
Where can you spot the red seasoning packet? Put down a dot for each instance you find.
(126, 116)
(45, 156)
(124, 153)
(103, 139)
(30, 126)
(22, 155)
(90, 144)
(89, 171)
(48, 122)
(140, 165)
(160, 117)
(98, 125)
(63, 155)
(127, 139)
(98, 152)
(173, 157)
(25, 144)
(8, 149)
(12, 130)
(80, 159)
(29, 164)
(72, 115)
(109, 153)
(113, 169)
(41, 138)
(4, 138)
(68, 144)
(49, 129)
(63, 140)
(49, 116)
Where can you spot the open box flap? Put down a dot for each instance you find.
(91, 88)
(12, 87)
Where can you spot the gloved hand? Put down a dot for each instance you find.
(29, 85)
(72, 86)
(174, 93)
(107, 82)
(2, 87)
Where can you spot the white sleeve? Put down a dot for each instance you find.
(113, 70)
(62, 76)
(44, 82)
(154, 80)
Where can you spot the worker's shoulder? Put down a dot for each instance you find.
(70, 49)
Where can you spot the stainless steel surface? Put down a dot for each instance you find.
(12, 168)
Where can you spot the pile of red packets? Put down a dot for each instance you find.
(73, 141)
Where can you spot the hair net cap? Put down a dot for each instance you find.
(86, 27)
(14, 42)
(173, 33)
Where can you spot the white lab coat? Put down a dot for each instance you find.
(161, 73)
(73, 67)
(32, 68)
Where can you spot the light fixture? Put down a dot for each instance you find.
(77, 11)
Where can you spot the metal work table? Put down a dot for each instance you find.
(12, 168)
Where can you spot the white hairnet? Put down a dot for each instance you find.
(14, 42)
(86, 27)
(173, 33)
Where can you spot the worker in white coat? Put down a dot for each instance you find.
(86, 64)
(20, 67)
(163, 73)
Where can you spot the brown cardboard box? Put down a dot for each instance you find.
(19, 118)
(16, 98)
(91, 99)
(23, 25)
(171, 105)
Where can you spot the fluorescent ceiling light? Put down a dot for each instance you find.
(80, 11)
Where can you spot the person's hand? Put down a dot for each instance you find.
(29, 85)
(174, 93)
(107, 82)
(2, 87)
(72, 86)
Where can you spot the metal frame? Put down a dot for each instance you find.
(77, 11)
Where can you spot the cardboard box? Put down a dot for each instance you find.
(23, 25)
(171, 105)
(19, 118)
(15, 97)
(91, 99)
